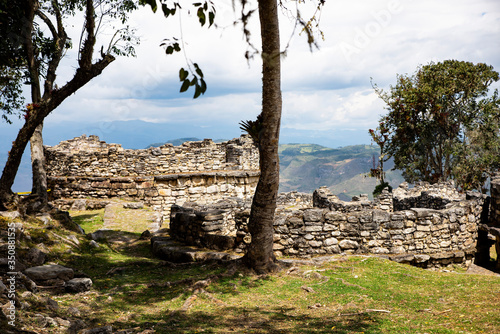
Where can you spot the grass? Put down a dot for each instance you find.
(131, 290)
(90, 221)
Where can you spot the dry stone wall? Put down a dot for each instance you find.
(205, 172)
(421, 236)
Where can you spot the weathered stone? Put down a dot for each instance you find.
(330, 242)
(380, 216)
(405, 258)
(78, 285)
(49, 271)
(420, 258)
(313, 215)
(348, 244)
(133, 205)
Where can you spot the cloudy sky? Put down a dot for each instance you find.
(327, 94)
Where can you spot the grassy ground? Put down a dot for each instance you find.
(347, 295)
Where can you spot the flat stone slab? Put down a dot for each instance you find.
(48, 272)
(167, 249)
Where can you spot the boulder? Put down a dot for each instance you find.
(78, 285)
(49, 272)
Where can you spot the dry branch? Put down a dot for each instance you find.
(364, 312)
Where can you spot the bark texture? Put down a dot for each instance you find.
(260, 255)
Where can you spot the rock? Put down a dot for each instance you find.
(10, 214)
(79, 205)
(74, 311)
(93, 244)
(99, 330)
(62, 322)
(146, 234)
(420, 258)
(49, 271)
(348, 244)
(51, 304)
(78, 285)
(134, 205)
(76, 326)
(98, 235)
(35, 257)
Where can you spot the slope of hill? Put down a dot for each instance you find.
(306, 167)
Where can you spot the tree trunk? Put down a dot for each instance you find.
(260, 255)
(38, 165)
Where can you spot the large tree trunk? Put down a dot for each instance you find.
(38, 165)
(260, 255)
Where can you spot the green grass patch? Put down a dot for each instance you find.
(90, 220)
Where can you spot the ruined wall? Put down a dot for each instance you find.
(202, 172)
(90, 157)
(421, 236)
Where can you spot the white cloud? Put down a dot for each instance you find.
(324, 90)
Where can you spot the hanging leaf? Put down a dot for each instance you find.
(197, 92)
(152, 3)
(183, 74)
(185, 86)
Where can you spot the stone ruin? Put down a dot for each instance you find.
(427, 226)
(205, 172)
(204, 189)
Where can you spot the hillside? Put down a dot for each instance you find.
(306, 167)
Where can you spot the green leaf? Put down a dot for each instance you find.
(201, 16)
(211, 18)
(198, 70)
(152, 3)
(194, 81)
(197, 92)
(203, 86)
(165, 9)
(185, 86)
(183, 74)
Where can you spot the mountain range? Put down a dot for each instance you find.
(304, 167)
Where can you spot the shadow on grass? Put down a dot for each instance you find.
(258, 320)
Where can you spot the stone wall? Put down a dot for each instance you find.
(90, 157)
(421, 236)
(202, 172)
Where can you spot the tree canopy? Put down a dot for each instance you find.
(442, 123)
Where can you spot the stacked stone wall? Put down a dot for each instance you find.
(420, 236)
(202, 172)
(89, 157)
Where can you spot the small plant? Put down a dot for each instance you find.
(380, 187)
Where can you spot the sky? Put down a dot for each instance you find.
(328, 97)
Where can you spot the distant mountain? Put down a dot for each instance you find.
(306, 167)
(180, 141)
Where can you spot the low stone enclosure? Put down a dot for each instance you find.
(428, 225)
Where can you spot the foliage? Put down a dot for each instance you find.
(192, 76)
(253, 128)
(11, 64)
(380, 187)
(440, 120)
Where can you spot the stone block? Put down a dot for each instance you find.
(330, 242)
(348, 244)
(379, 216)
(313, 215)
